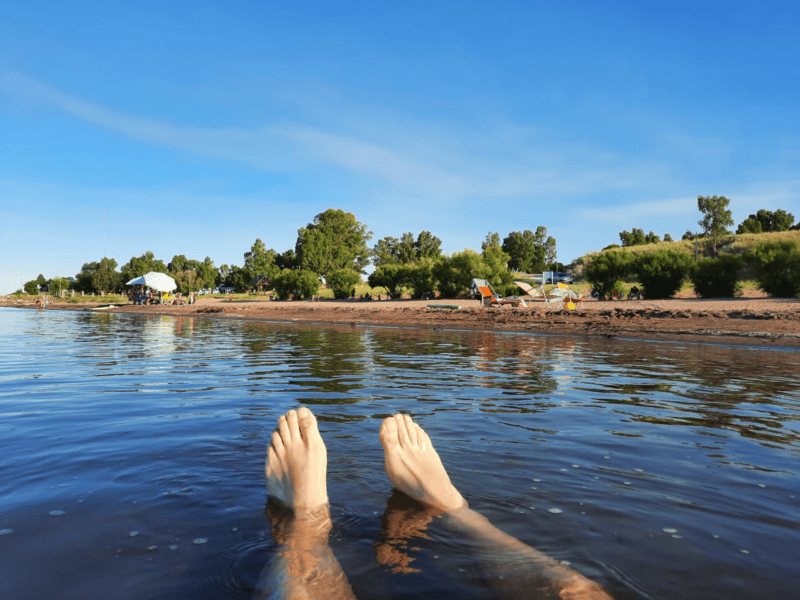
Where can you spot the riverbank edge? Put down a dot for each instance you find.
(742, 321)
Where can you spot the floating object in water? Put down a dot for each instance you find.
(201, 540)
(56, 513)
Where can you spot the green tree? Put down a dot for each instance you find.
(526, 250)
(605, 271)
(406, 250)
(58, 285)
(668, 237)
(342, 282)
(105, 277)
(334, 240)
(420, 278)
(716, 218)
(31, 287)
(299, 283)
(235, 277)
(492, 239)
(495, 270)
(633, 238)
(454, 274)
(689, 235)
(661, 273)
(260, 261)
(287, 260)
(652, 238)
(428, 246)
(777, 268)
(716, 277)
(138, 266)
(393, 277)
(767, 221)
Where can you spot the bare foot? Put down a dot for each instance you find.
(297, 462)
(414, 467)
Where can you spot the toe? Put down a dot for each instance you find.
(402, 430)
(388, 433)
(411, 430)
(294, 428)
(277, 442)
(307, 423)
(283, 429)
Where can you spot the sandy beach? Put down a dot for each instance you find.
(753, 320)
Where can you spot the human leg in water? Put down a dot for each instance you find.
(516, 569)
(304, 565)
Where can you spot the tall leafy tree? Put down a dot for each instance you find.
(716, 217)
(334, 240)
(105, 277)
(138, 266)
(636, 237)
(492, 239)
(260, 261)
(428, 246)
(526, 250)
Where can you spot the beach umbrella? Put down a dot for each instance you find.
(161, 282)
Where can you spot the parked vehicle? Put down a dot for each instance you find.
(560, 277)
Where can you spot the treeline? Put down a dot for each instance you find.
(774, 265)
(334, 248)
(715, 222)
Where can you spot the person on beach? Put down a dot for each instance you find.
(305, 566)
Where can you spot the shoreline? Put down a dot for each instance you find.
(755, 320)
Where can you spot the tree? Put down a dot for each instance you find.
(58, 285)
(235, 277)
(776, 267)
(393, 277)
(420, 278)
(406, 250)
(260, 261)
(287, 260)
(652, 238)
(668, 237)
(689, 236)
(767, 221)
(31, 287)
(492, 239)
(334, 240)
(105, 277)
(661, 273)
(295, 282)
(428, 246)
(138, 266)
(716, 218)
(453, 274)
(495, 270)
(633, 238)
(606, 269)
(342, 282)
(526, 250)
(716, 277)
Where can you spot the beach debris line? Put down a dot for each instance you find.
(446, 306)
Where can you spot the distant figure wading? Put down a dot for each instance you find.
(305, 567)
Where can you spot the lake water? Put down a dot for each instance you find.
(132, 455)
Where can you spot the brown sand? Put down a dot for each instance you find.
(753, 320)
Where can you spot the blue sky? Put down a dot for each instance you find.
(195, 127)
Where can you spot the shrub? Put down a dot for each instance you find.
(454, 274)
(301, 284)
(420, 279)
(776, 268)
(605, 271)
(717, 277)
(661, 273)
(393, 277)
(342, 282)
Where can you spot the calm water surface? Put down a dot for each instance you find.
(132, 455)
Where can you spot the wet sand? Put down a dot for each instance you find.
(751, 320)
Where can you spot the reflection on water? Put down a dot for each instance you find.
(661, 470)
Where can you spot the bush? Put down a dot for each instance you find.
(301, 284)
(420, 279)
(342, 282)
(776, 268)
(393, 277)
(717, 277)
(661, 273)
(605, 271)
